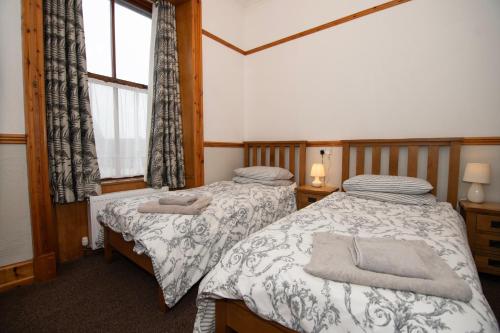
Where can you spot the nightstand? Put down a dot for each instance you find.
(483, 232)
(307, 194)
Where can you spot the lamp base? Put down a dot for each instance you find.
(476, 193)
(316, 182)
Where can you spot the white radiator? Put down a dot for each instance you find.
(99, 202)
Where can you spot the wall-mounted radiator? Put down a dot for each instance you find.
(99, 202)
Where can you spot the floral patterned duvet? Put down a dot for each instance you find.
(183, 248)
(266, 271)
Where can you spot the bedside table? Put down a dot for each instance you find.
(483, 232)
(307, 194)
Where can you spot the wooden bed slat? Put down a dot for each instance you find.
(376, 156)
(412, 161)
(254, 155)
(272, 151)
(263, 155)
(393, 160)
(302, 163)
(453, 173)
(291, 161)
(432, 167)
(345, 161)
(360, 160)
(282, 156)
(245, 155)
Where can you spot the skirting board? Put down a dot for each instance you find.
(17, 274)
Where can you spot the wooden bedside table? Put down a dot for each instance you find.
(483, 232)
(307, 194)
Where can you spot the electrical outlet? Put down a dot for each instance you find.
(328, 152)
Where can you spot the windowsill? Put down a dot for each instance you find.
(110, 185)
(107, 181)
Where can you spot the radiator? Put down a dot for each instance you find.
(97, 203)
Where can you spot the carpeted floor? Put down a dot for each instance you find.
(92, 296)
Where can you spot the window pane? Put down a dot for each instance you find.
(96, 20)
(120, 116)
(133, 34)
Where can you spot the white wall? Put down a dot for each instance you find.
(15, 223)
(222, 87)
(422, 69)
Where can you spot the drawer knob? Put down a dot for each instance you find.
(311, 199)
(495, 224)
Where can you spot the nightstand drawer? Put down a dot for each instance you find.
(489, 223)
(487, 264)
(488, 242)
(306, 199)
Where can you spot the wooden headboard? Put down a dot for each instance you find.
(274, 153)
(433, 147)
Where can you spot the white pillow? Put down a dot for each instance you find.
(263, 173)
(277, 182)
(406, 199)
(387, 184)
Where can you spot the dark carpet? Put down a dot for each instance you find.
(90, 295)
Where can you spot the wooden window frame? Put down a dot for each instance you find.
(138, 6)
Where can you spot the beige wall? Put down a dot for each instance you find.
(220, 163)
(15, 223)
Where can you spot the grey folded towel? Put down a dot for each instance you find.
(177, 199)
(331, 259)
(195, 208)
(390, 256)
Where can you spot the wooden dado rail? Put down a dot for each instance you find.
(470, 141)
(18, 139)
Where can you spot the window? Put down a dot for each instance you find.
(117, 36)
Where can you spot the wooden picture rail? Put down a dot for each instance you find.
(413, 145)
(310, 31)
(275, 153)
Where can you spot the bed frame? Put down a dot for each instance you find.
(234, 316)
(286, 154)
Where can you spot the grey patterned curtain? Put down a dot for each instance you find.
(166, 152)
(74, 172)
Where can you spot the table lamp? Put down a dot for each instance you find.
(317, 170)
(477, 174)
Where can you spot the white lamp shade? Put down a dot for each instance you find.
(477, 173)
(318, 170)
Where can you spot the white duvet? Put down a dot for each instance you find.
(183, 248)
(266, 271)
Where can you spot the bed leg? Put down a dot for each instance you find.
(108, 250)
(161, 301)
(221, 317)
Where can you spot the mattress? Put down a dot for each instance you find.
(266, 271)
(183, 248)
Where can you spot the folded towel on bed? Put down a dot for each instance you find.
(179, 200)
(389, 256)
(331, 259)
(195, 208)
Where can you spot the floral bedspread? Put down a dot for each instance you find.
(183, 248)
(266, 271)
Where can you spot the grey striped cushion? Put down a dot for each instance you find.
(406, 199)
(387, 184)
(263, 173)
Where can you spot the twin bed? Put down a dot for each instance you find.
(255, 280)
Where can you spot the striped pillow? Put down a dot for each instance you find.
(387, 184)
(405, 199)
(263, 173)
